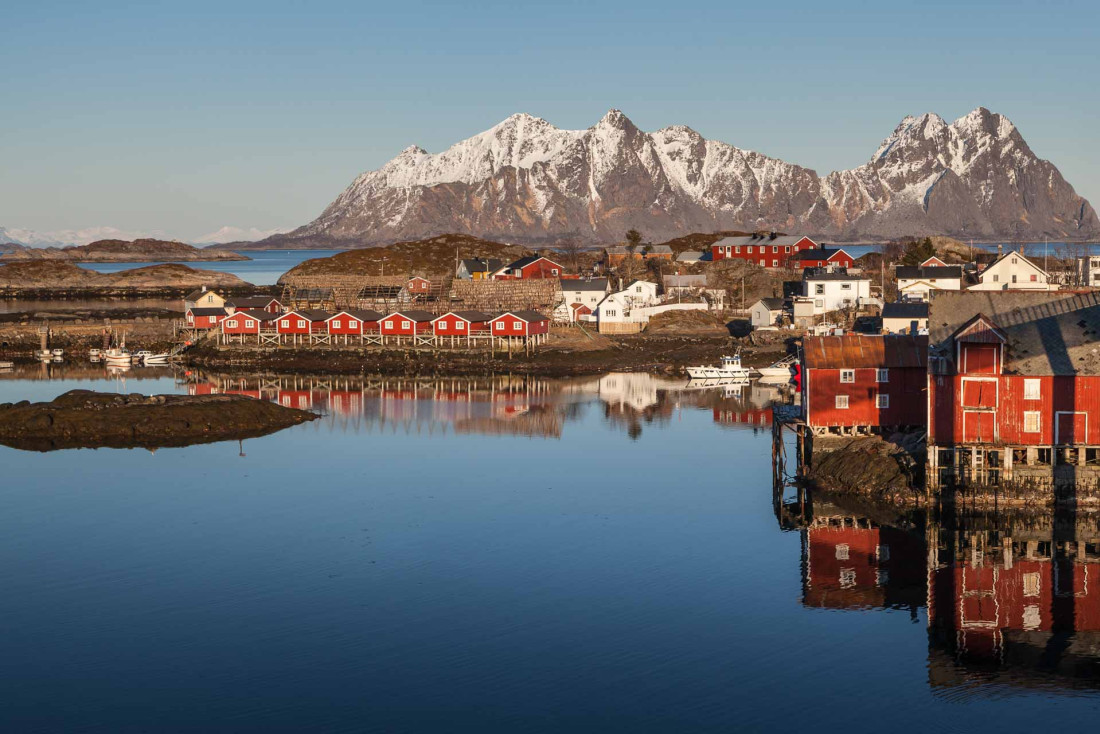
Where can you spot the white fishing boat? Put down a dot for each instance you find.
(44, 354)
(728, 367)
(155, 359)
(782, 368)
(117, 358)
(141, 354)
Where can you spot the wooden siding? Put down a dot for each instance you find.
(905, 387)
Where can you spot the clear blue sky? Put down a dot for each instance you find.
(184, 117)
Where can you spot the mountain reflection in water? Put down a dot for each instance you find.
(502, 405)
(1012, 596)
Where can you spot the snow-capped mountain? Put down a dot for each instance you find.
(525, 180)
(236, 234)
(71, 237)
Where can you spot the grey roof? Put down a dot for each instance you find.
(414, 315)
(473, 317)
(689, 256)
(822, 274)
(525, 261)
(913, 310)
(482, 265)
(657, 249)
(199, 293)
(593, 284)
(528, 315)
(247, 302)
(781, 241)
(207, 311)
(912, 272)
(314, 314)
(1048, 333)
(773, 304)
(362, 314)
(820, 253)
(685, 281)
(258, 315)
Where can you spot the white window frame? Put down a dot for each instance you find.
(285, 323)
(847, 377)
(1037, 417)
(336, 324)
(231, 324)
(1033, 388)
(882, 400)
(882, 374)
(301, 323)
(842, 551)
(406, 324)
(498, 325)
(387, 324)
(841, 402)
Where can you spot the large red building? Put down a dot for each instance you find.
(534, 267)
(1014, 386)
(859, 382)
(821, 257)
(767, 251)
(204, 318)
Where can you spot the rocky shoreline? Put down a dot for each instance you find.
(87, 419)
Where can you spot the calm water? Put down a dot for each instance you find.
(264, 268)
(509, 555)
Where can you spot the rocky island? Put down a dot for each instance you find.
(121, 251)
(87, 419)
(43, 275)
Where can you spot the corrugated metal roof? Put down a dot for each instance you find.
(852, 351)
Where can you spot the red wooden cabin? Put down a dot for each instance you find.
(461, 323)
(767, 251)
(821, 257)
(247, 322)
(534, 267)
(520, 324)
(353, 322)
(293, 323)
(864, 382)
(419, 285)
(406, 323)
(205, 318)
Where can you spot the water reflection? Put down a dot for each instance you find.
(1012, 596)
(498, 405)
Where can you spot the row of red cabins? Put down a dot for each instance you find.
(408, 323)
(1007, 386)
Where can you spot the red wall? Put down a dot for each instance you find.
(292, 327)
(348, 325)
(240, 321)
(515, 326)
(206, 322)
(399, 329)
(446, 326)
(1005, 396)
(719, 253)
(906, 388)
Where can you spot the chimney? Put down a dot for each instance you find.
(1000, 250)
(204, 289)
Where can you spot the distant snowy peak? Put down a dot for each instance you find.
(525, 180)
(70, 237)
(236, 234)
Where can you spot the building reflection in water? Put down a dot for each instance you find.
(507, 405)
(1012, 596)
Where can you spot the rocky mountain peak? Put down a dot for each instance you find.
(525, 180)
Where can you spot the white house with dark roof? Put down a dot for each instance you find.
(905, 318)
(916, 283)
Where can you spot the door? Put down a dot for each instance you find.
(979, 393)
(979, 426)
(1070, 428)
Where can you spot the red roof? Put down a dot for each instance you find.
(852, 351)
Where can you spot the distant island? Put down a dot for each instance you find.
(59, 274)
(120, 251)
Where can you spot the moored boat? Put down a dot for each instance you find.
(728, 367)
(117, 358)
(782, 368)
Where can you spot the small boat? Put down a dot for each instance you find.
(58, 352)
(141, 354)
(117, 358)
(94, 353)
(155, 359)
(782, 368)
(728, 367)
(6, 365)
(57, 360)
(44, 354)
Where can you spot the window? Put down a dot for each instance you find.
(842, 551)
(819, 289)
(336, 324)
(387, 324)
(1031, 584)
(847, 578)
(210, 298)
(1031, 421)
(406, 324)
(996, 278)
(231, 324)
(443, 324)
(749, 249)
(286, 323)
(248, 324)
(499, 326)
(847, 375)
(1034, 278)
(787, 248)
(775, 263)
(1032, 618)
(842, 402)
(882, 375)
(845, 286)
(301, 324)
(1014, 277)
(736, 249)
(1032, 389)
(882, 401)
(553, 271)
(775, 249)
(637, 289)
(459, 326)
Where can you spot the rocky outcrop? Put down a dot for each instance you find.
(143, 250)
(55, 274)
(86, 419)
(527, 181)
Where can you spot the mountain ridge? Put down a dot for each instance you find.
(527, 181)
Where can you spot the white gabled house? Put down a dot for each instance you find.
(1013, 272)
(834, 290)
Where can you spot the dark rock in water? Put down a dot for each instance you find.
(870, 467)
(87, 419)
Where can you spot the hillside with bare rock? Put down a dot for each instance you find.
(418, 257)
(145, 250)
(54, 274)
